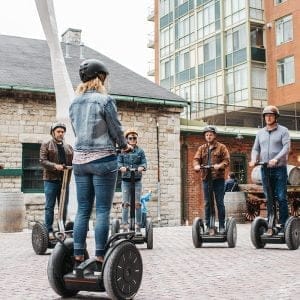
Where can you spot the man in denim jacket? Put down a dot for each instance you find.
(133, 159)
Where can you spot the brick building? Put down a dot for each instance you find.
(28, 109)
(239, 143)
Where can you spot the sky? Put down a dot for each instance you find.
(116, 28)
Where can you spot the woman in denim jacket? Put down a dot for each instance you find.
(135, 159)
(97, 130)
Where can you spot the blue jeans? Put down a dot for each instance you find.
(218, 193)
(126, 196)
(96, 179)
(278, 185)
(52, 190)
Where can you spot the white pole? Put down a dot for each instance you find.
(64, 92)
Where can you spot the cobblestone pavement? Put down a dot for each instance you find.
(174, 269)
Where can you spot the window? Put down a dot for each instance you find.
(210, 91)
(209, 19)
(166, 41)
(236, 84)
(184, 31)
(256, 9)
(285, 71)
(259, 83)
(164, 7)
(239, 167)
(236, 42)
(284, 29)
(32, 177)
(209, 56)
(235, 11)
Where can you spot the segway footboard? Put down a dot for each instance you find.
(61, 263)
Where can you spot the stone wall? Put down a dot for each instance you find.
(26, 118)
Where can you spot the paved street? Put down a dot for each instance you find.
(174, 269)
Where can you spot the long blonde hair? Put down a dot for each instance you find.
(93, 84)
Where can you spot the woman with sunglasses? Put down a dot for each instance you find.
(134, 159)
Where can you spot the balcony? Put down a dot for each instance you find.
(151, 68)
(258, 54)
(150, 43)
(150, 16)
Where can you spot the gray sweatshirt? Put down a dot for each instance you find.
(274, 144)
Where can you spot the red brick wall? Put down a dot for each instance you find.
(289, 93)
(192, 194)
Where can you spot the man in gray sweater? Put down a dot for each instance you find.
(272, 145)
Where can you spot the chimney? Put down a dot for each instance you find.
(72, 36)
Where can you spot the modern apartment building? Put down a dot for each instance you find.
(283, 55)
(228, 58)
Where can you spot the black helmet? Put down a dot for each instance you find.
(91, 68)
(271, 109)
(57, 125)
(209, 128)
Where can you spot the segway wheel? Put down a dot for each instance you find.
(115, 226)
(231, 232)
(61, 263)
(39, 238)
(292, 233)
(197, 232)
(149, 234)
(258, 227)
(123, 271)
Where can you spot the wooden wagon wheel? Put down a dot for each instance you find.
(295, 207)
(253, 210)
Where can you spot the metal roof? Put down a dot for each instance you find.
(25, 64)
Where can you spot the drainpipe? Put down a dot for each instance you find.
(158, 173)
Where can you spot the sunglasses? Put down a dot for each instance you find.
(132, 138)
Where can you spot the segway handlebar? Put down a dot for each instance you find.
(261, 163)
(206, 166)
(67, 167)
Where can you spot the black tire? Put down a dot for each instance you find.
(115, 226)
(197, 232)
(292, 233)
(39, 238)
(149, 234)
(231, 232)
(123, 271)
(59, 264)
(258, 227)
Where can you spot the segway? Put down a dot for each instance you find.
(136, 237)
(200, 235)
(265, 231)
(39, 236)
(120, 276)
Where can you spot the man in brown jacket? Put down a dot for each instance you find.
(54, 155)
(216, 155)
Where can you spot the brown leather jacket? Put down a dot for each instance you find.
(49, 158)
(219, 154)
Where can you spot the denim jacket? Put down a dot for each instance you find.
(133, 159)
(95, 122)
